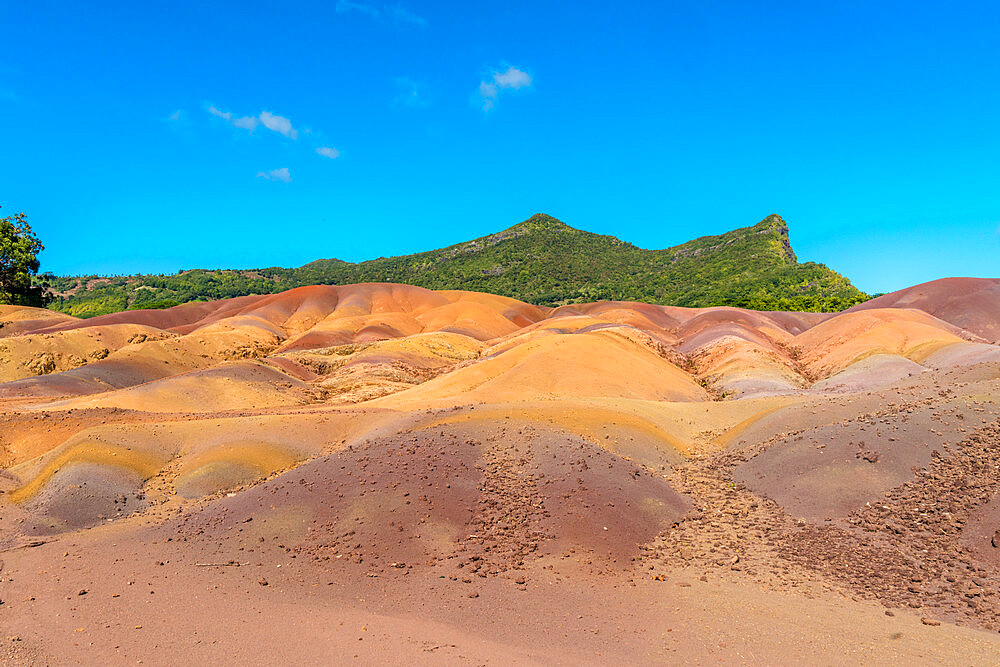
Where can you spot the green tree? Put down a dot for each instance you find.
(19, 248)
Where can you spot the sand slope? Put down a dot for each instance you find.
(972, 304)
(632, 481)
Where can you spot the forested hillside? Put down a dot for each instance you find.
(540, 260)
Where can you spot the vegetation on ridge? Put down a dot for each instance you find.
(540, 260)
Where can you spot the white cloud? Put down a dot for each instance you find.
(489, 92)
(271, 121)
(245, 123)
(511, 78)
(275, 123)
(278, 124)
(176, 116)
(282, 175)
(221, 114)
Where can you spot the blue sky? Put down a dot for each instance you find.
(151, 137)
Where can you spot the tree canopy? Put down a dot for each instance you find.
(19, 248)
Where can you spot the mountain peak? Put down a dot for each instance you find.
(774, 220)
(776, 223)
(540, 222)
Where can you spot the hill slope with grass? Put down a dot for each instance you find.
(541, 261)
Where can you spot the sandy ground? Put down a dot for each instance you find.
(385, 474)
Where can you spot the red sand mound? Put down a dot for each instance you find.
(20, 320)
(481, 500)
(713, 323)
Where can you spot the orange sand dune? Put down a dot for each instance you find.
(154, 358)
(640, 315)
(386, 347)
(627, 473)
(843, 340)
(29, 355)
(191, 457)
(710, 324)
(229, 386)
(735, 366)
(365, 370)
(972, 304)
(734, 352)
(599, 363)
(745, 353)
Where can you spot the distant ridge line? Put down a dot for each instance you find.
(541, 260)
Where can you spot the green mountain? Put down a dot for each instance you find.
(540, 260)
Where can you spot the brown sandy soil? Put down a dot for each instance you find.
(384, 473)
